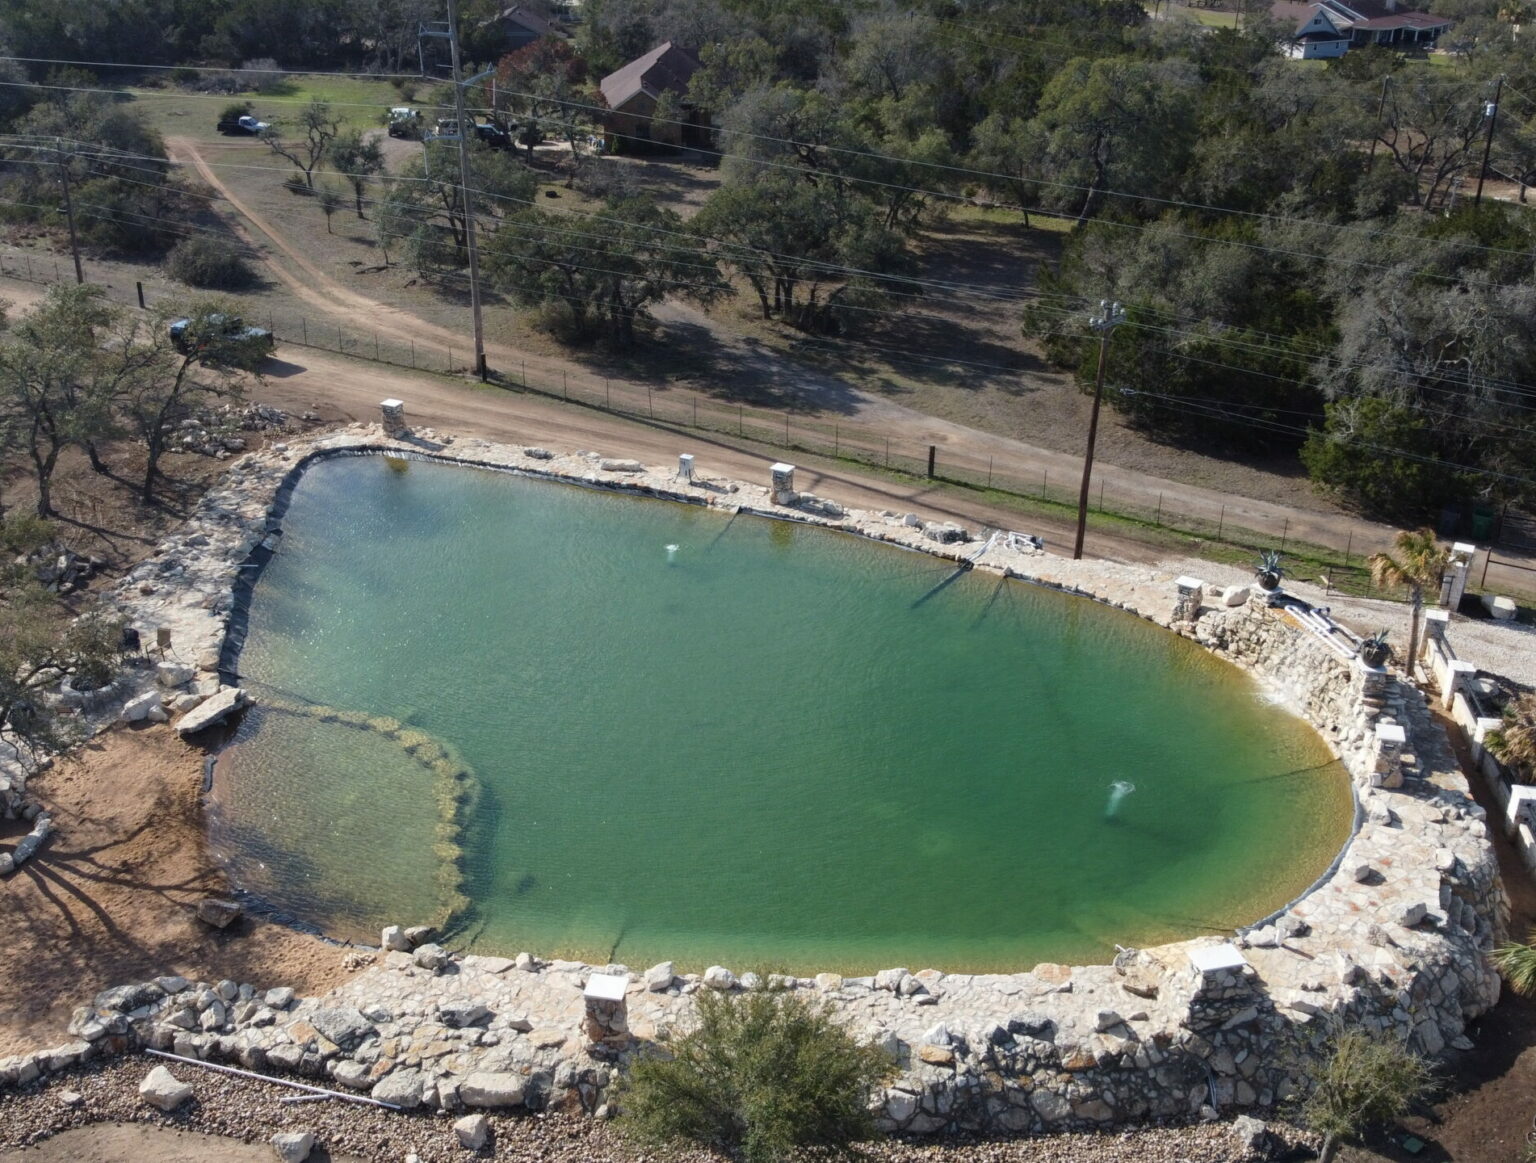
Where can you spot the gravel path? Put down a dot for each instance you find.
(250, 1112)
(1502, 648)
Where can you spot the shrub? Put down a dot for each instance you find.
(235, 110)
(209, 263)
(1362, 1079)
(262, 74)
(764, 1073)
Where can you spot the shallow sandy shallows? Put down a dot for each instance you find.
(110, 896)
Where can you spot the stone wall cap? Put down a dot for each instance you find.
(606, 987)
(1437, 615)
(1189, 583)
(391, 403)
(1461, 667)
(1391, 733)
(1216, 958)
(782, 467)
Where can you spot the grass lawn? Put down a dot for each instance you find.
(1211, 18)
(361, 104)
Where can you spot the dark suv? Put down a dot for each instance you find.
(237, 346)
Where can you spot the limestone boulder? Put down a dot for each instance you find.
(393, 939)
(137, 709)
(472, 1131)
(174, 674)
(163, 1090)
(212, 711)
(402, 1088)
(719, 977)
(217, 913)
(660, 976)
(293, 1146)
(492, 1089)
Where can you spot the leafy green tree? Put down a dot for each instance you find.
(35, 653)
(545, 85)
(357, 159)
(763, 1075)
(1418, 563)
(809, 252)
(1381, 456)
(598, 273)
(1114, 124)
(158, 383)
(423, 212)
(319, 127)
(1362, 1080)
(329, 199)
(54, 391)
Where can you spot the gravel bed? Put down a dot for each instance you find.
(250, 1111)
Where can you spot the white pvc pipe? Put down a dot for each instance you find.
(318, 1091)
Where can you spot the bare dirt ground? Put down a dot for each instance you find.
(109, 899)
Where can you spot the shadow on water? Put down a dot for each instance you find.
(1297, 773)
(724, 530)
(943, 585)
(1000, 587)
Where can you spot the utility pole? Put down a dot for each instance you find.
(69, 212)
(1111, 316)
(1381, 107)
(1492, 113)
(452, 34)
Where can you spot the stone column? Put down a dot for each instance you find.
(685, 468)
(782, 488)
(1454, 583)
(1457, 675)
(607, 1019)
(1191, 592)
(393, 414)
(1387, 768)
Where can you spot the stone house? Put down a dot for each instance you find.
(631, 94)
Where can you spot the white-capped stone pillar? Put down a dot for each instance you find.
(1191, 593)
(685, 467)
(1480, 731)
(782, 483)
(1387, 770)
(1454, 583)
(1457, 675)
(392, 412)
(607, 1018)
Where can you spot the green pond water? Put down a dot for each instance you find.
(773, 746)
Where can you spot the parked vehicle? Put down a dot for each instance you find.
(224, 339)
(404, 122)
(493, 135)
(247, 126)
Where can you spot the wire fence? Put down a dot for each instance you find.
(1330, 551)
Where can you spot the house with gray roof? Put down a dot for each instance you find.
(1330, 28)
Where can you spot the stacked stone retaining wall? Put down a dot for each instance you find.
(1394, 937)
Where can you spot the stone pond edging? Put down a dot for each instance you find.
(1395, 936)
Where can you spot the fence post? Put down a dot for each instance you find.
(1045, 484)
(1101, 494)
(140, 288)
(607, 395)
(450, 358)
(1487, 557)
(413, 354)
(933, 456)
(525, 373)
(1158, 523)
(650, 403)
(887, 452)
(375, 347)
(1285, 532)
(565, 384)
(786, 429)
(341, 343)
(741, 424)
(695, 411)
(837, 441)
(1348, 545)
(1221, 522)
(304, 327)
(28, 260)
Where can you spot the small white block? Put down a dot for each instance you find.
(606, 987)
(1216, 958)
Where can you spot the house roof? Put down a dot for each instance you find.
(1347, 15)
(519, 15)
(665, 67)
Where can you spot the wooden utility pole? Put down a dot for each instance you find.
(1111, 316)
(464, 191)
(1492, 112)
(69, 212)
(1381, 108)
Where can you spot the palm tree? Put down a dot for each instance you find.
(1419, 564)
(1515, 13)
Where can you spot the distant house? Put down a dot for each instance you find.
(518, 26)
(1330, 28)
(631, 94)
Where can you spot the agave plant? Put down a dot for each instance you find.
(1516, 961)
(1269, 570)
(1374, 650)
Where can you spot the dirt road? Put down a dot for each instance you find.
(323, 293)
